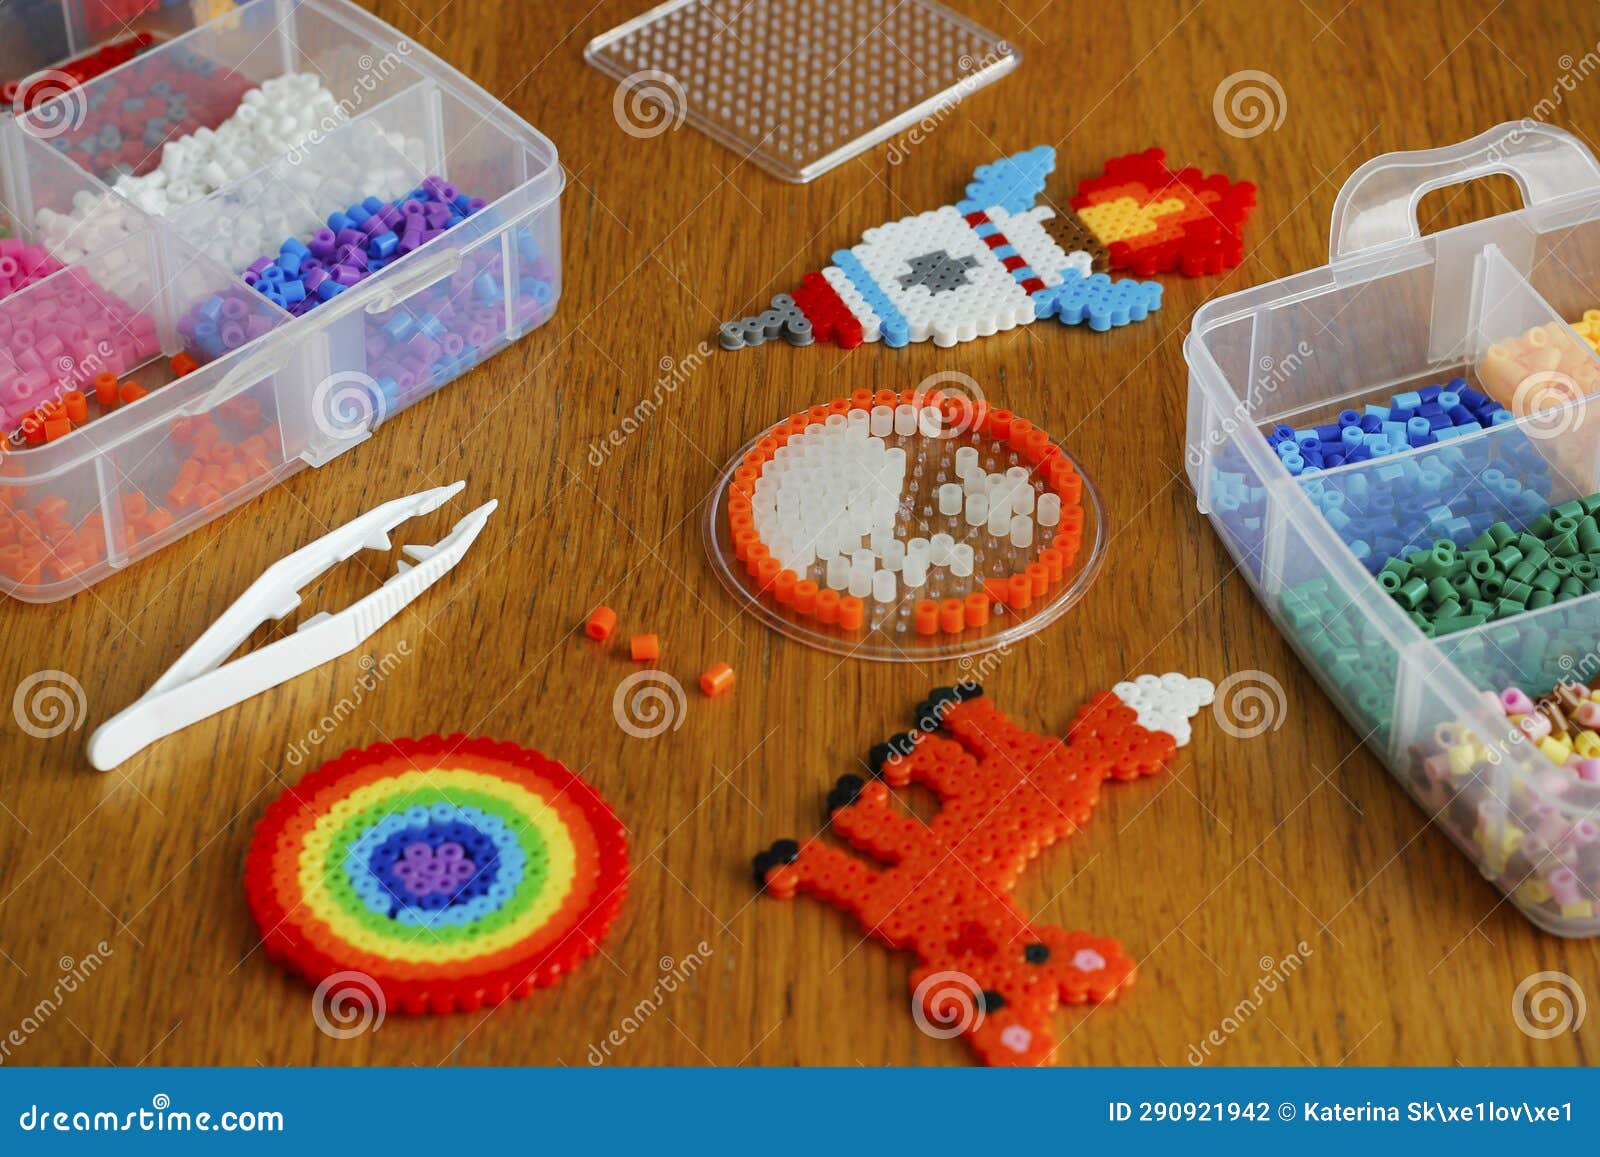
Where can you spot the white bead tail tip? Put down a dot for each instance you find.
(1167, 702)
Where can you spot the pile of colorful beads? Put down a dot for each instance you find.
(161, 96)
(1422, 417)
(1535, 829)
(1499, 573)
(55, 340)
(356, 243)
(32, 91)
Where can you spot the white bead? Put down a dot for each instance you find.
(1000, 521)
(915, 572)
(961, 561)
(1049, 512)
(893, 554)
(838, 576)
(905, 419)
(882, 421)
(883, 587)
(950, 498)
(860, 582)
(939, 547)
(1022, 532)
(977, 509)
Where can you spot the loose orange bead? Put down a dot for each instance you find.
(105, 389)
(77, 406)
(645, 648)
(717, 680)
(601, 622)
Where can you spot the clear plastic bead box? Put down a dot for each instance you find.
(1392, 311)
(301, 390)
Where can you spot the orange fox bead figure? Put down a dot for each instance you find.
(942, 889)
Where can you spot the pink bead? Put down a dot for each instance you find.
(1515, 701)
(1588, 714)
(1588, 770)
(1564, 885)
(1536, 727)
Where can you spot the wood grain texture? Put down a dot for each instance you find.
(1208, 874)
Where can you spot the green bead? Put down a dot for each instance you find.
(1390, 580)
(1591, 503)
(1540, 526)
(1571, 587)
(1398, 566)
(1517, 591)
(1523, 572)
(1584, 569)
(1501, 534)
(1480, 607)
(1491, 587)
(1466, 586)
(1540, 599)
(1505, 608)
(1565, 544)
(1571, 511)
(1507, 557)
(1412, 593)
(1479, 564)
(1440, 589)
(1482, 544)
(1458, 623)
(1447, 608)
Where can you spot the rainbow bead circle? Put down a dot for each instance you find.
(455, 872)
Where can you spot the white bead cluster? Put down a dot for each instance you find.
(271, 122)
(834, 495)
(90, 236)
(1167, 702)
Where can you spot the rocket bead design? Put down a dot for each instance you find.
(990, 262)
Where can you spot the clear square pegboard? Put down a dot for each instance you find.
(796, 86)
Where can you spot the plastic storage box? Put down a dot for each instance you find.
(1394, 310)
(276, 392)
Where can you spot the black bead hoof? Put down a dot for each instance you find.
(781, 852)
(896, 748)
(845, 792)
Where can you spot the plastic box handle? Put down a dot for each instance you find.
(1378, 205)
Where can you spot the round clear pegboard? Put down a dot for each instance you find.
(905, 526)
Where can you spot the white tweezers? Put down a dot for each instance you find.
(200, 683)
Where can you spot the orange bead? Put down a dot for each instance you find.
(105, 389)
(952, 616)
(1039, 576)
(184, 364)
(852, 613)
(1055, 562)
(828, 607)
(717, 680)
(57, 428)
(645, 648)
(767, 572)
(131, 391)
(601, 622)
(976, 609)
(77, 406)
(783, 586)
(805, 597)
(925, 617)
(1019, 592)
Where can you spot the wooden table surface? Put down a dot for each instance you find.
(1297, 843)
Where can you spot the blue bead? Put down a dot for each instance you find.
(383, 245)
